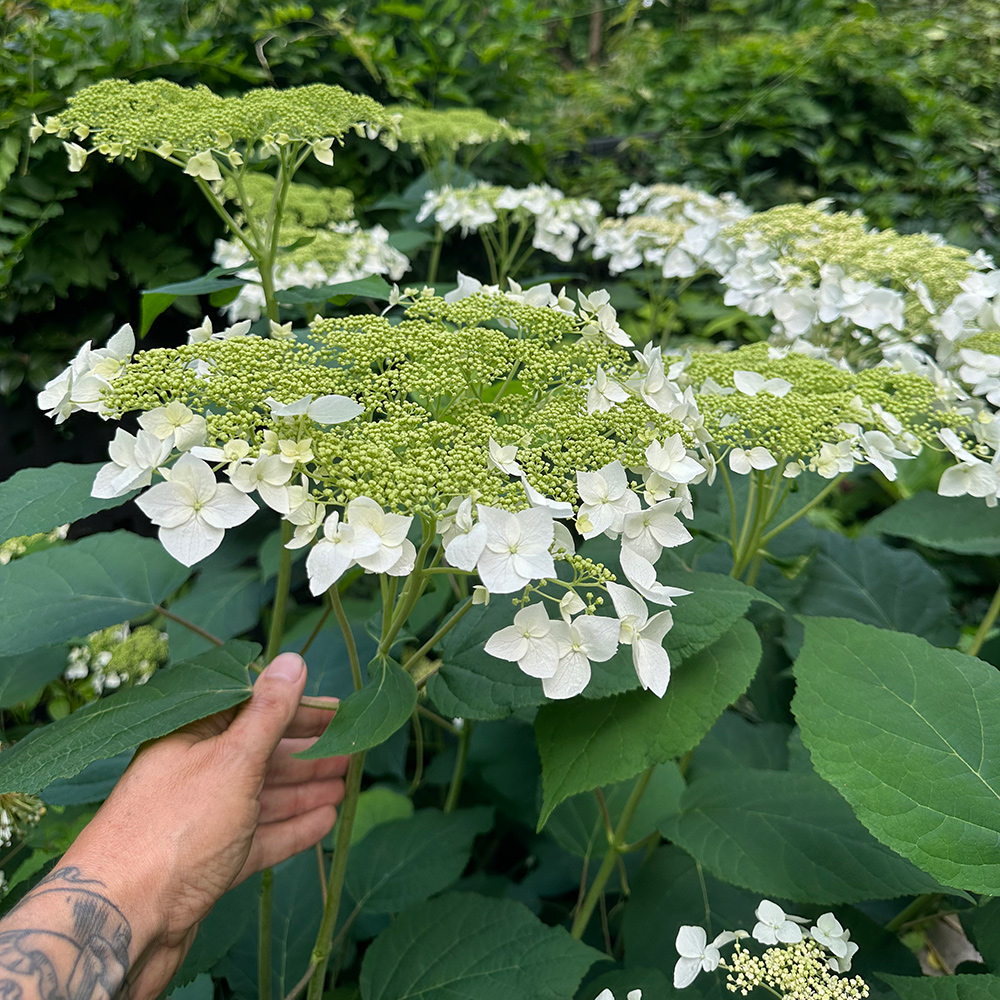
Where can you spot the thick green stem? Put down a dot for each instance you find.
(455, 788)
(264, 935)
(432, 268)
(335, 884)
(911, 911)
(615, 846)
(985, 625)
(281, 594)
(804, 509)
(438, 635)
(345, 627)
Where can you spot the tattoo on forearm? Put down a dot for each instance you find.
(87, 958)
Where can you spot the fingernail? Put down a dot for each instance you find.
(286, 667)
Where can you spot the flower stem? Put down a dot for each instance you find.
(455, 788)
(985, 625)
(439, 634)
(335, 884)
(345, 626)
(912, 910)
(804, 509)
(281, 595)
(615, 844)
(432, 268)
(214, 639)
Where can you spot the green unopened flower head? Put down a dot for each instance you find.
(120, 118)
(425, 128)
(306, 205)
(795, 971)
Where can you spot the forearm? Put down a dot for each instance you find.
(73, 937)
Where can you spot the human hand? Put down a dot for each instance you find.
(202, 809)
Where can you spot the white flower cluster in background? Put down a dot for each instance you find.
(673, 228)
(353, 253)
(559, 223)
(800, 961)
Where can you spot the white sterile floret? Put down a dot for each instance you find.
(464, 540)
(743, 460)
(670, 465)
(696, 954)
(588, 638)
(77, 156)
(192, 510)
(971, 476)
(606, 500)
(395, 554)
(517, 548)
(133, 462)
(606, 994)
(234, 452)
(268, 476)
(774, 925)
(830, 933)
(604, 393)
(648, 532)
(641, 573)
(571, 604)
(281, 331)
(199, 334)
(308, 518)
(750, 383)
(186, 426)
(504, 458)
(645, 636)
(330, 409)
(203, 165)
(529, 641)
(336, 551)
(557, 508)
(881, 451)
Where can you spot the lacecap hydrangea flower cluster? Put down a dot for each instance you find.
(800, 962)
(489, 422)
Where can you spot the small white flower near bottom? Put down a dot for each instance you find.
(696, 954)
(774, 925)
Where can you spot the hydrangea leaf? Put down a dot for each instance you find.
(340, 294)
(370, 716)
(70, 590)
(35, 500)
(378, 805)
(589, 744)
(26, 674)
(956, 524)
(172, 697)
(873, 583)
(968, 987)
(908, 734)
(406, 860)
(462, 946)
(474, 685)
(788, 834)
(157, 300)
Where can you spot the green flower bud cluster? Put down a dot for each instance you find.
(115, 657)
(18, 813)
(306, 205)
(823, 397)
(425, 128)
(118, 117)
(794, 972)
(435, 388)
(21, 545)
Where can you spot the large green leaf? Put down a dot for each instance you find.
(157, 300)
(225, 603)
(26, 674)
(873, 583)
(369, 716)
(945, 987)
(910, 736)
(70, 590)
(473, 685)
(588, 744)
(378, 805)
(790, 835)
(406, 860)
(35, 500)
(467, 947)
(171, 698)
(373, 287)
(955, 524)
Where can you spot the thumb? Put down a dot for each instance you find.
(262, 721)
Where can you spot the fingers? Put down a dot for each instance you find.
(285, 769)
(273, 842)
(261, 722)
(283, 802)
